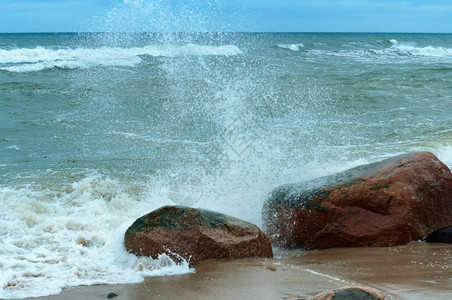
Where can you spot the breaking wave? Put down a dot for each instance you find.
(54, 238)
(383, 50)
(40, 58)
(412, 49)
(293, 47)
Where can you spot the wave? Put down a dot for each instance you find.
(391, 41)
(58, 237)
(385, 49)
(444, 153)
(393, 47)
(41, 58)
(293, 47)
(411, 49)
(297, 47)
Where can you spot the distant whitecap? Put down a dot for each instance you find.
(41, 58)
(293, 47)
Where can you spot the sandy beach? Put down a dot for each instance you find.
(415, 271)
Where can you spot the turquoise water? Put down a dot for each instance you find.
(134, 105)
(99, 129)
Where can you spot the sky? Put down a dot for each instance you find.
(226, 15)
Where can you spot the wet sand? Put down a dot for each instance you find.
(415, 271)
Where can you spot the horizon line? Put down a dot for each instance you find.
(223, 32)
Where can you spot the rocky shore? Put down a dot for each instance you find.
(382, 210)
(388, 203)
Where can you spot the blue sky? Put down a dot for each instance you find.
(226, 15)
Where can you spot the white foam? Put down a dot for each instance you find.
(13, 147)
(40, 58)
(393, 41)
(57, 239)
(395, 50)
(69, 236)
(324, 275)
(293, 47)
(412, 49)
(444, 153)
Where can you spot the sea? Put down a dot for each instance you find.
(98, 129)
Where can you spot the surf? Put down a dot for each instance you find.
(41, 58)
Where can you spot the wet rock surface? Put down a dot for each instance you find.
(352, 293)
(195, 235)
(386, 203)
(443, 235)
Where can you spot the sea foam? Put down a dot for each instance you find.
(40, 58)
(52, 239)
(72, 234)
(381, 50)
(444, 153)
(412, 49)
(293, 47)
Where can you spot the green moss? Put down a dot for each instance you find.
(183, 218)
(320, 208)
(212, 219)
(379, 187)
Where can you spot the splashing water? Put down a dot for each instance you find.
(102, 128)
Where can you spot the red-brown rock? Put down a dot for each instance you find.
(195, 235)
(352, 293)
(387, 203)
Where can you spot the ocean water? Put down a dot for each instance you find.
(99, 129)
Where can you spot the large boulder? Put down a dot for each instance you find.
(387, 203)
(352, 293)
(195, 235)
(443, 235)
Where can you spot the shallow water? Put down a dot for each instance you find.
(414, 271)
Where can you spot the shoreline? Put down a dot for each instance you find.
(414, 271)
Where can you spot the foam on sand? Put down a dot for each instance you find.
(53, 239)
